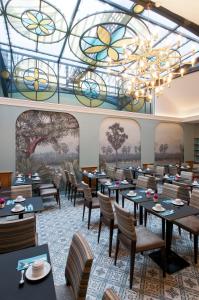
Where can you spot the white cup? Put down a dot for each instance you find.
(19, 198)
(178, 201)
(158, 206)
(131, 192)
(37, 268)
(149, 190)
(18, 206)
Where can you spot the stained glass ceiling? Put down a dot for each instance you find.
(66, 51)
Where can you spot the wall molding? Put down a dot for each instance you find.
(27, 104)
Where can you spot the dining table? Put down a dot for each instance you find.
(117, 186)
(31, 205)
(94, 176)
(10, 289)
(171, 213)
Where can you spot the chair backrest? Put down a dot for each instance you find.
(160, 170)
(57, 180)
(186, 175)
(170, 190)
(152, 184)
(173, 170)
(119, 174)
(67, 175)
(128, 175)
(73, 179)
(184, 191)
(125, 222)
(78, 266)
(106, 208)
(23, 190)
(87, 193)
(17, 234)
(110, 295)
(111, 172)
(195, 198)
(142, 182)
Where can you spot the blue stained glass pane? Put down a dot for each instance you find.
(28, 21)
(92, 41)
(38, 31)
(49, 27)
(39, 17)
(118, 34)
(119, 50)
(102, 55)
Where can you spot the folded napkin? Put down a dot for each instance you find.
(136, 197)
(25, 263)
(167, 201)
(167, 212)
(10, 202)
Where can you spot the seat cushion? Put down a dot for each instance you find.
(190, 223)
(95, 202)
(63, 292)
(46, 186)
(146, 240)
(48, 192)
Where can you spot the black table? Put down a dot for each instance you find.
(118, 187)
(92, 176)
(174, 262)
(33, 204)
(10, 277)
(26, 180)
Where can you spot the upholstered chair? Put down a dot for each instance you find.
(54, 191)
(23, 190)
(109, 294)
(77, 271)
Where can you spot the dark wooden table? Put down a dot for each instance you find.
(10, 277)
(118, 187)
(33, 204)
(94, 176)
(174, 262)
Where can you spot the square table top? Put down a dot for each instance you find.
(140, 197)
(10, 277)
(33, 204)
(94, 175)
(178, 211)
(120, 186)
(25, 180)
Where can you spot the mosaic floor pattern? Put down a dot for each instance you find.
(56, 227)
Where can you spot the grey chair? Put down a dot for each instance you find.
(54, 191)
(23, 190)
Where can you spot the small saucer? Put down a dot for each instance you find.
(131, 195)
(29, 276)
(19, 200)
(178, 204)
(124, 182)
(17, 211)
(158, 210)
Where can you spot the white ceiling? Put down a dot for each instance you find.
(188, 9)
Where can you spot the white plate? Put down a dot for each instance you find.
(150, 192)
(19, 200)
(16, 211)
(108, 183)
(132, 195)
(47, 268)
(36, 178)
(124, 182)
(175, 203)
(158, 210)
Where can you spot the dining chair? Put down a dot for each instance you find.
(89, 201)
(107, 217)
(142, 182)
(18, 234)
(170, 190)
(76, 188)
(53, 192)
(184, 191)
(159, 173)
(77, 271)
(23, 190)
(191, 223)
(109, 294)
(135, 239)
(186, 175)
(128, 175)
(68, 182)
(119, 175)
(173, 170)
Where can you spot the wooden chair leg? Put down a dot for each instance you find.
(132, 263)
(83, 211)
(116, 250)
(99, 230)
(179, 230)
(195, 248)
(145, 217)
(110, 239)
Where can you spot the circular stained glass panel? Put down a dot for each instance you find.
(35, 79)
(42, 22)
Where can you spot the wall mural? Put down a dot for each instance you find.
(119, 143)
(169, 143)
(46, 142)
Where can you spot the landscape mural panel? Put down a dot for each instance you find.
(119, 143)
(169, 143)
(46, 142)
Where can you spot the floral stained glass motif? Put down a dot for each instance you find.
(37, 22)
(90, 89)
(38, 81)
(106, 44)
(35, 79)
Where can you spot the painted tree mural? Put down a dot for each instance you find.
(119, 142)
(43, 136)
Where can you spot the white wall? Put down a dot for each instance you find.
(181, 99)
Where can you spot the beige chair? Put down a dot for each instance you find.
(89, 201)
(53, 192)
(76, 188)
(135, 239)
(191, 223)
(173, 170)
(18, 234)
(109, 294)
(23, 190)
(142, 182)
(186, 175)
(170, 190)
(107, 217)
(128, 175)
(119, 175)
(77, 271)
(159, 173)
(184, 191)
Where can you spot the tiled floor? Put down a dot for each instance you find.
(56, 227)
